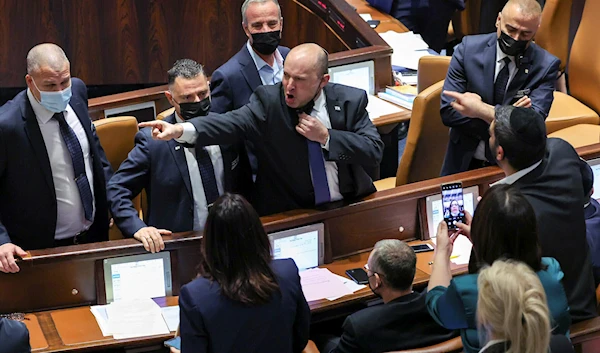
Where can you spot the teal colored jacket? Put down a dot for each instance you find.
(454, 307)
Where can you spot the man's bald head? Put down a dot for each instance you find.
(527, 8)
(46, 55)
(313, 54)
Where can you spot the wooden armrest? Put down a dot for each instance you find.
(582, 331)
(452, 345)
(310, 348)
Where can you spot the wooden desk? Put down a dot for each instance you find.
(387, 22)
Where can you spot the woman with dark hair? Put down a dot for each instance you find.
(503, 227)
(243, 300)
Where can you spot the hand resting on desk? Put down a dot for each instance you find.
(8, 264)
(152, 238)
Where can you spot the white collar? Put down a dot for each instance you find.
(511, 179)
(259, 62)
(320, 102)
(501, 55)
(43, 115)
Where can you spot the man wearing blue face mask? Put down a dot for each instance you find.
(53, 170)
(259, 62)
(502, 68)
(194, 175)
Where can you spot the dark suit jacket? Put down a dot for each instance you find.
(592, 225)
(27, 195)
(558, 344)
(161, 168)
(472, 70)
(555, 191)
(14, 337)
(283, 180)
(233, 83)
(403, 323)
(213, 323)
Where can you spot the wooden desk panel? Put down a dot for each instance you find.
(37, 340)
(78, 326)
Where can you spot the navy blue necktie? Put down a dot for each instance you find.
(501, 82)
(319, 176)
(85, 192)
(207, 173)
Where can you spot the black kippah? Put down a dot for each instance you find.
(528, 126)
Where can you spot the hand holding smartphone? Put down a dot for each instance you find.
(453, 203)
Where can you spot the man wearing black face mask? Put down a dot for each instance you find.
(502, 68)
(402, 322)
(259, 62)
(194, 175)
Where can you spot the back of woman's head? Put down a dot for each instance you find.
(512, 306)
(236, 251)
(504, 226)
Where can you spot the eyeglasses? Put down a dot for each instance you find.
(14, 316)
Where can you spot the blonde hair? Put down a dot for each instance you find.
(512, 306)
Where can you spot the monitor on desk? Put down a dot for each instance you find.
(305, 245)
(360, 75)
(138, 276)
(595, 165)
(435, 208)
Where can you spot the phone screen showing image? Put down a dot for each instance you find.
(454, 206)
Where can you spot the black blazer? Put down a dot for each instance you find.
(232, 84)
(14, 337)
(27, 195)
(283, 180)
(213, 323)
(161, 168)
(555, 191)
(472, 70)
(403, 323)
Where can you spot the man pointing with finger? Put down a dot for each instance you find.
(313, 138)
(502, 68)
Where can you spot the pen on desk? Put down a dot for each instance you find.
(451, 257)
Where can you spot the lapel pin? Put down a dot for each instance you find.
(337, 108)
(526, 71)
(177, 148)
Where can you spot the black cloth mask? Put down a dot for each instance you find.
(510, 46)
(193, 109)
(266, 43)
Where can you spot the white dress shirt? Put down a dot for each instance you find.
(200, 206)
(512, 71)
(269, 75)
(70, 217)
(511, 179)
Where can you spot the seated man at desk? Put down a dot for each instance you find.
(403, 321)
(499, 68)
(548, 173)
(14, 337)
(591, 209)
(313, 139)
(194, 176)
(53, 170)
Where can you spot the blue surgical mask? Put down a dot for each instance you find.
(55, 102)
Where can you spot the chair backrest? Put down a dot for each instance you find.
(426, 141)
(117, 137)
(165, 113)
(432, 69)
(584, 70)
(553, 34)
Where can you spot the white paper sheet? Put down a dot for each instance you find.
(365, 16)
(136, 318)
(408, 48)
(171, 316)
(99, 312)
(350, 284)
(320, 283)
(461, 251)
(377, 107)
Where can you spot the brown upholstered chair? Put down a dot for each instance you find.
(117, 137)
(432, 69)
(567, 111)
(311, 348)
(579, 135)
(426, 142)
(553, 34)
(452, 345)
(165, 114)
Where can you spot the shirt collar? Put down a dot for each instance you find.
(511, 179)
(260, 63)
(491, 343)
(501, 55)
(178, 119)
(320, 102)
(42, 114)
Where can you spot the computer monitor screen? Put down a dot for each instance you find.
(138, 276)
(359, 75)
(595, 164)
(304, 245)
(435, 207)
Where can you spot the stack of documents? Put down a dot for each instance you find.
(320, 283)
(408, 48)
(404, 95)
(378, 108)
(132, 318)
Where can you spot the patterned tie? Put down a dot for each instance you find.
(207, 173)
(319, 176)
(85, 192)
(501, 82)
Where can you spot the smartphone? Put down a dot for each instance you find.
(174, 342)
(454, 205)
(358, 275)
(373, 23)
(422, 247)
